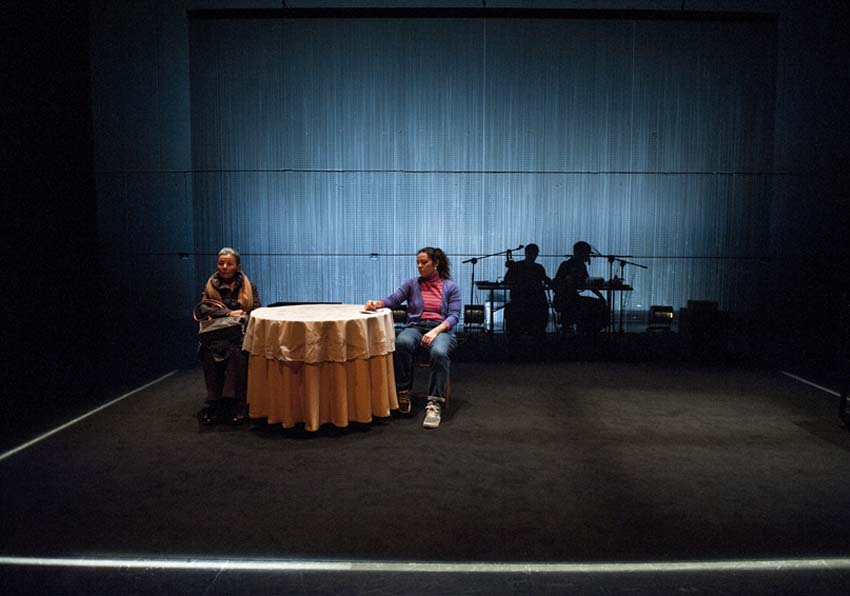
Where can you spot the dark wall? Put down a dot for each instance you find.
(144, 202)
(807, 304)
(50, 254)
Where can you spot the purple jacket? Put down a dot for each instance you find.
(450, 303)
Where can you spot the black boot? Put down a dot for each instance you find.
(212, 413)
(240, 415)
(234, 411)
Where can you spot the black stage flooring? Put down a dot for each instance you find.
(539, 463)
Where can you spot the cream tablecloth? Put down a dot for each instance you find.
(319, 363)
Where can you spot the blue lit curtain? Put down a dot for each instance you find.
(318, 142)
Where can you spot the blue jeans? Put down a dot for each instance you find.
(406, 344)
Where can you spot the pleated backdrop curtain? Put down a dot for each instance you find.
(319, 142)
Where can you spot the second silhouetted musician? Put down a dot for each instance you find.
(588, 314)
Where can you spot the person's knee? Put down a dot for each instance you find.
(440, 351)
(406, 342)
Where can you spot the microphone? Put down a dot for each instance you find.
(510, 260)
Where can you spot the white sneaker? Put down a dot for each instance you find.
(432, 415)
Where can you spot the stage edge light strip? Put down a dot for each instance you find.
(84, 416)
(815, 385)
(434, 567)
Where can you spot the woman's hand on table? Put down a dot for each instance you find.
(237, 313)
(373, 304)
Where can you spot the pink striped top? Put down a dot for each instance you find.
(432, 292)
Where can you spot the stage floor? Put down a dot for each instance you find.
(536, 463)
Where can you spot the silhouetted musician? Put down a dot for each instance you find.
(528, 310)
(588, 314)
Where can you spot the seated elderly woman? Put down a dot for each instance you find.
(433, 310)
(227, 293)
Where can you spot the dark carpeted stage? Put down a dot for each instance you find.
(536, 463)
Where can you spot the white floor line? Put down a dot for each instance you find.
(86, 415)
(815, 385)
(772, 565)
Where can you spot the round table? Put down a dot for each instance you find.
(320, 363)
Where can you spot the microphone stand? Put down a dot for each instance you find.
(474, 261)
(623, 262)
(621, 259)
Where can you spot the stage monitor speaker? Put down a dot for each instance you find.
(703, 328)
(660, 318)
(473, 316)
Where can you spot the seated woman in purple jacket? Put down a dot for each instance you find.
(433, 310)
